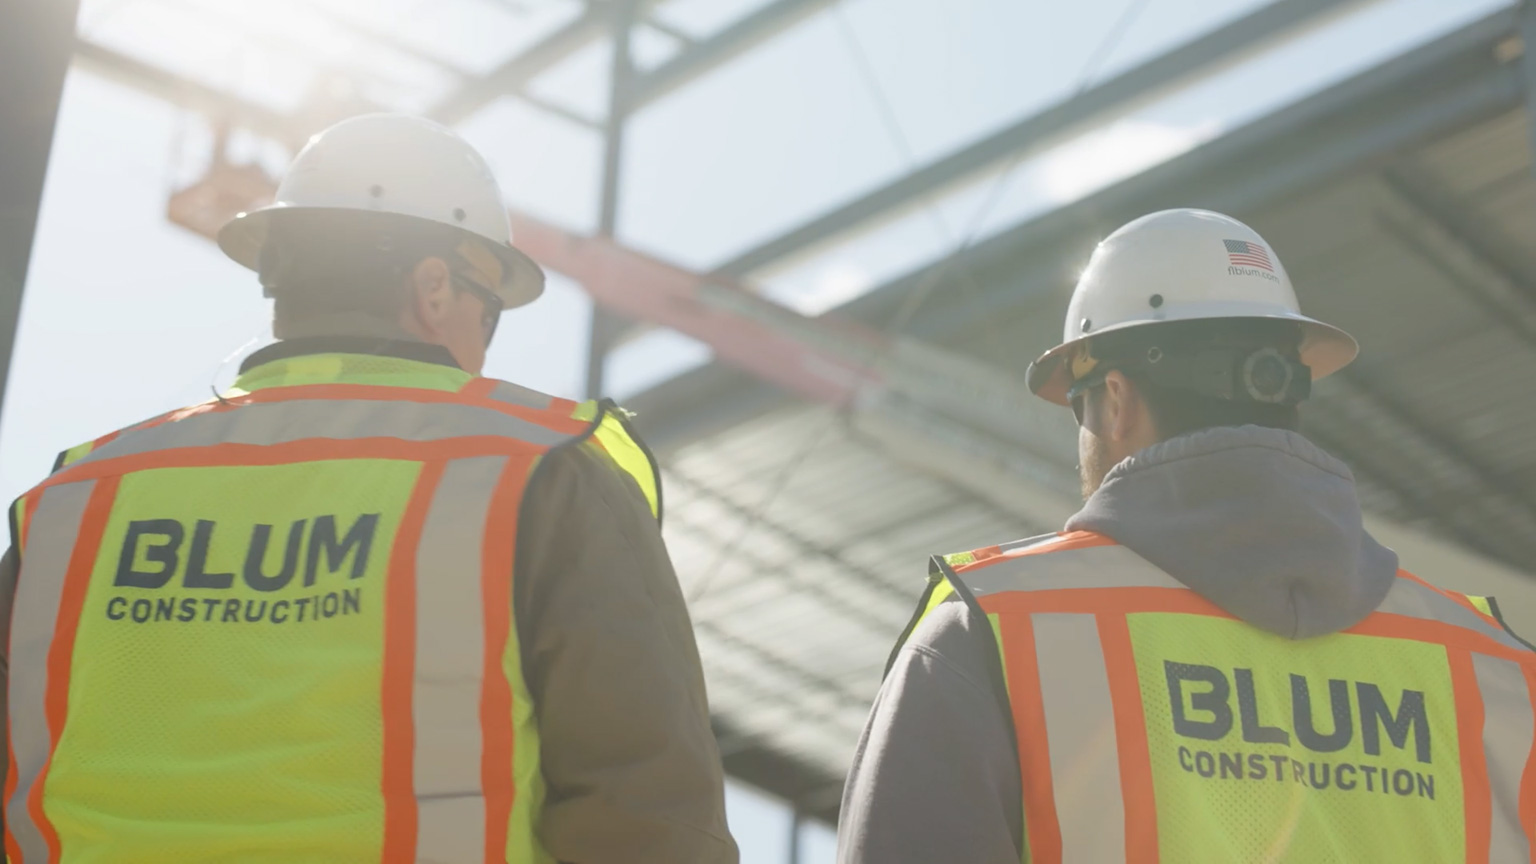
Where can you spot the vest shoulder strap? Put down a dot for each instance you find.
(1413, 597)
(945, 572)
(1490, 606)
(80, 451)
(609, 428)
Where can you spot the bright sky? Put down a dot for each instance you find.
(126, 316)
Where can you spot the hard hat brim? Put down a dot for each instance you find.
(243, 237)
(1325, 349)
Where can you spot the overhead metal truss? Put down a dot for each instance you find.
(701, 59)
(514, 76)
(1453, 82)
(1138, 84)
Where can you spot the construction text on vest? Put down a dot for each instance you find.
(152, 558)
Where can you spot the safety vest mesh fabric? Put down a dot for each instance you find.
(1152, 726)
(279, 627)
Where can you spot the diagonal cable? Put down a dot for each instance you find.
(935, 275)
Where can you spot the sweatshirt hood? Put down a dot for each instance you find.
(1259, 521)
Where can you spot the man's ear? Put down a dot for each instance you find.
(1122, 408)
(431, 289)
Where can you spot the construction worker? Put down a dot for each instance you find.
(368, 606)
(1213, 662)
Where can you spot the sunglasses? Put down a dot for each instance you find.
(493, 305)
(1077, 394)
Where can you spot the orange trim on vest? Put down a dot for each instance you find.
(1111, 606)
(1526, 808)
(1062, 543)
(397, 787)
(1183, 601)
(479, 388)
(29, 512)
(1136, 790)
(12, 848)
(308, 450)
(1041, 827)
(1475, 792)
(1438, 632)
(77, 578)
(399, 672)
(983, 554)
(1460, 599)
(497, 740)
(550, 418)
(1089, 601)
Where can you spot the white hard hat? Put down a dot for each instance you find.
(1182, 265)
(397, 165)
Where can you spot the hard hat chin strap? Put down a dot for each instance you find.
(1262, 375)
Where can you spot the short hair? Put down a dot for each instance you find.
(323, 262)
(1178, 411)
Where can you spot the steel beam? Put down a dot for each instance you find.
(212, 103)
(1428, 92)
(515, 74)
(1441, 87)
(736, 39)
(1139, 84)
(669, 31)
(36, 39)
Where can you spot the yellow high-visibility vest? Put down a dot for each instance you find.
(1152, 726)
(278, 626)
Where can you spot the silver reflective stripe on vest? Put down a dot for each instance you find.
(1076, 699)
(1410, 599)
(343, 419)
(1027, 542)
(450, 663)
(1507, 732)
(39, 591)
(1080, 734)
(1094, 567)
(514, 394)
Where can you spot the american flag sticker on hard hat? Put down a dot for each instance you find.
(1241, 253)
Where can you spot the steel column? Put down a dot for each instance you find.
(796, 821)
(1528, 62)
(37, 38)
(605, 325)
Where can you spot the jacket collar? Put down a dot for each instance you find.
(351, 360)
(421, 352)
(1260, 521)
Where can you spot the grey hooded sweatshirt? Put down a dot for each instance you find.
(1260, 521)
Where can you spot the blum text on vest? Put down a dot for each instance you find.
(1202, 699)
(157, 553)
